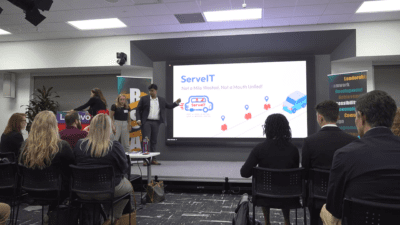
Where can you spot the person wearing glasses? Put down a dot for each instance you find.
(12, 139)
(276, 152)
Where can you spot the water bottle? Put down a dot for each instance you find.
(145, 149)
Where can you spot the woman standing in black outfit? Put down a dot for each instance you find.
(12, 139)
(121, 120)
(276, 152)
(96, 103)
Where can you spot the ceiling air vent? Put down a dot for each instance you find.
(190, 18)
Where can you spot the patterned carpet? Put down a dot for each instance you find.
(181, 208)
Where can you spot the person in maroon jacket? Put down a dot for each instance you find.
(73, 132)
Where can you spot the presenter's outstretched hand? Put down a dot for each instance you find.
(178, 101)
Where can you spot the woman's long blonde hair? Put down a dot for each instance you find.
(119, 105)
(396, 123)
(43, 141)
(99, 136)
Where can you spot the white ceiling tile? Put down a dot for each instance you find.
(158, 29)
(312, 2)
(55, 27)
(237, 4)
(249, 23)
(311, 10)
(304, 20)
(342, 8)
(278, 12)
(276, 22)
(85, 4)
(344, 1)
(136, 21)
(124, 31)
(20, 29)
(9, 8)
(212, 5)
(13, 19)
(153, 9)
(169, 1)
(60, 6)
(334, 18)
(163, 19)
(97, 13)
(195, 26)
(124, 11)
(183, 7)
(62, 16)
(221, 25)
(280, 3)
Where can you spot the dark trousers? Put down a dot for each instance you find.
(315, 210)
(150, 129)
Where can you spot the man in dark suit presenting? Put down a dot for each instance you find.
(319, 148)
(367, 168)
(150, 113)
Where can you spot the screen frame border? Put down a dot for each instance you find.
(245, 142)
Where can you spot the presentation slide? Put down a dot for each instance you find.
(233, 100)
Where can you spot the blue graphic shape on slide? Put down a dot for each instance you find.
(223, 117)
(246, 107)
(266, 98)
(294, 102)
(199, 103)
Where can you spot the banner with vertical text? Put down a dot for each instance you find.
(345, 88)
(134, 88)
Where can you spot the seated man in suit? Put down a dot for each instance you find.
(367, 168)
(318, 149)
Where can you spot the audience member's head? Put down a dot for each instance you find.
(277, 128)
(327, 112)
(42, 142)
(121, 101)
(99, 136)
(17, 122)
(396, 123)
(374, 109)
(96, 92)
(72, 119)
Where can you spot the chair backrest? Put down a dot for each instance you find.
(278, 183)
(8, 175)
(9, 155)
(128, 158)
(357, 212)
(93, 180)
(47, 179)
(319, 183)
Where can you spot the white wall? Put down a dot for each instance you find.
(373, 39)
(10, 106)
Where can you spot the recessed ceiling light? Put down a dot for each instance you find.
(233, 15)
(2, 32)
(97, 24)
(379, 6)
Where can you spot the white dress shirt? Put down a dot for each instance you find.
(154, 113)
(329, 125)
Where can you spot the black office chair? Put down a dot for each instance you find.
(278, 183)
(134, 178)
(95, 180)
(362, 212)
(9, 188)
(9, 155)
(318, 184)
(42, 185)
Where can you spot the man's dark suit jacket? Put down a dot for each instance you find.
(368, 169)
(318, 149)
(143, 108)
